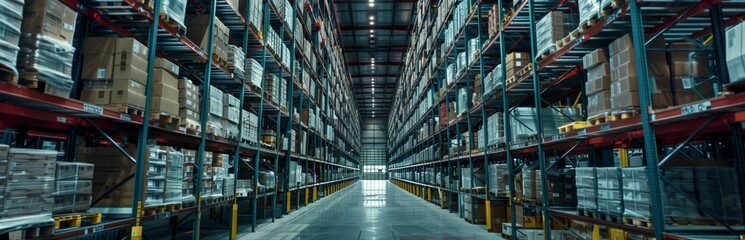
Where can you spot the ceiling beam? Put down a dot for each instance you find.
(369, 63)
(402, 28)
(375, 76)
(394, 48)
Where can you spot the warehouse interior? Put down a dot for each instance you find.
(372, 119)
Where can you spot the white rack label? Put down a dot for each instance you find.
(92, 108)
(695, 108)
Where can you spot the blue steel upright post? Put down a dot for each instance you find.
(645, 102)
(506, 120)
(204, 113)
(142, 144)
(260, 114)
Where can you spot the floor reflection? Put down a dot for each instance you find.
(373, 192)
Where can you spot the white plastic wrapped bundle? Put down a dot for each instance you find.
(474, 49)
(174, 177)
(588, 9)
(156, 176)
(28, 187)
(175, 9)
(461, 62)
(524, 119)
(236, 61)
(44, 59)
(499, 180)
(529, 183)
(553, 27)
(253, 72)
(73, 187)
(587, 188)
(495, 130)
(450, 73)
(609, 191)
(255, 14)
(463, 99)
(10, 33)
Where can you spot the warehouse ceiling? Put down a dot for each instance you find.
(374, 35)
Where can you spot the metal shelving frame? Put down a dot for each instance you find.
(29, 109)
(668, 130)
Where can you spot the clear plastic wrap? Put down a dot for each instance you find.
(73, 187)
(587, 188)
(174, 177)
(156, 176)
(44, 59)
(553, 27)
(524, 118)
(588, 9)
(10, 33)
(529, 183)
(499, 180)
(175, 9)
(29, 186)
(236, 61)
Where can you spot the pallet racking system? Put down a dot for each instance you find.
(29, 115)
(655, 135)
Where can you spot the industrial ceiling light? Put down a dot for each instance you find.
(372, 18)
(371, 3)
(372, 31)
(372, 22)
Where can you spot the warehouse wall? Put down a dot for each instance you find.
(374, 150)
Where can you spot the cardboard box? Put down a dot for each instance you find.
(627, 100)
(97, 66)
(111, 45)
(684, 91)
(128, 92)
(688, 63)
(110, 168)
(187, 103)
(163, 77)
(50, 18)
(518, 56)
(598, 79)
(4, 149)
(594, 58)
(163, 63)
(128, 65)
(189, 114)
(96, 96)
(164, 105)
(198, 26)
(598, 103)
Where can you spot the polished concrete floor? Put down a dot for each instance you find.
(371, 209)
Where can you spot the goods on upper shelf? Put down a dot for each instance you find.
(551, 28)
(199, 33)
(189, 101)
(46, 53)
(624, 84)
(516, 61)
(13, 12)
(523, 123)
(114, 72)
(173, 11)
(736, 53)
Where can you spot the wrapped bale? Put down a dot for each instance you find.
(587, 188)
(12, 11)
(609, 191)
(28, 187)
(73, 187)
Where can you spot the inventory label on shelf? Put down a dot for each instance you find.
(695, 108)
(577, 41)
(93, 229)
(125, 117)
(605, 127)
(558, 137)
(582, 132)
(92, 108)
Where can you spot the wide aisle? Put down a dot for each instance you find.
(371, 209)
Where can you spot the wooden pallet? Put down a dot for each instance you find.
(511, 81)
(525, 70)
(72, 220)
(191, 126)
(8, 75)
(638, 222)
(170, 22)
(610, 218)
(34, 232)
(128, 109)
(584, 26)
(573, 126)
(165, 120)
(174, 206)
(153, 210)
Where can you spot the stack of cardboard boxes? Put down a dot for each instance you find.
(208, 181)
(561, 187)
(690, 73)
(587, 188)
(498, 180)
(114, 70)
(73, 186)
(610, 195)
(110, 168)
(198, 32)
(250, 127)
(597, 86)
(624, 84)
(516, 61)
(187, 189)
(189, 102)
(46, 53)
(165, 89)
(13, 12)
(27, 187)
